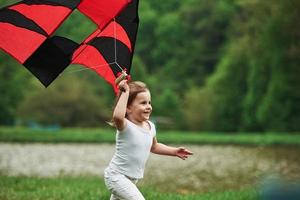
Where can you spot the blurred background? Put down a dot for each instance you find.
(218, 66)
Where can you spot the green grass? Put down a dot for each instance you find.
(77, 135)
(93, 188)
(89, 135)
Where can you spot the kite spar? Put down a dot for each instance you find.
(27, 27)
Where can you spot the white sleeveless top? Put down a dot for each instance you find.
(133, 145)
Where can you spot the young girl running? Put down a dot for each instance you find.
(135, 139)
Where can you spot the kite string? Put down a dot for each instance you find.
(115, 43)
(87, 68)
(115, 38)
(98, 66)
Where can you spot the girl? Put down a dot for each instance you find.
(135, 139)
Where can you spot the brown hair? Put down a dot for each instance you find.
(135, 87)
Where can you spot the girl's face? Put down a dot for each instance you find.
(140, 108)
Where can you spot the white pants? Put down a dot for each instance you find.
(121, 186)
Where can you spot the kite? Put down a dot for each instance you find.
(27, 33)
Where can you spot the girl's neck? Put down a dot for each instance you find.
(143, 124)
(139, 123)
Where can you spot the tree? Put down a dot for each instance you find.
(14, 82)
(270, 103)
(280, 109)
(227, 88)
(167, 109)
(68, 102)
(198, 108)
(206, 25)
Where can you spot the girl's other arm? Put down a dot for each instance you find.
(161, 149)
(120, 109)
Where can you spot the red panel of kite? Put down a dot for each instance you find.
(113, 46)
(25, 30)
(27, 27)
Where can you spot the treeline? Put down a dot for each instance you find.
(220, 65)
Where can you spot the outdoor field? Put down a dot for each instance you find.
(35, 165)
(216, 82)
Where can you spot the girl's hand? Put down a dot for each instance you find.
(123, 86)
(183, 153)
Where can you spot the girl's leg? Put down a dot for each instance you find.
(123, 188)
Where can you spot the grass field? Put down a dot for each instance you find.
(92, 188)
(88, 135)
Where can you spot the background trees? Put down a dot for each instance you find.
(218, 65)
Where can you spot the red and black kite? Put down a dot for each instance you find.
(27, 28)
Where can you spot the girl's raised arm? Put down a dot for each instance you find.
(120, 109)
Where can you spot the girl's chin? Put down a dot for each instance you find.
(146, 117)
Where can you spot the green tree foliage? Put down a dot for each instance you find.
(279, 109)
(68, 102)
(140, 70)
(205, 26)
(12, 83)
(146, 41)
(70, 27)
(211, 65)
(12, 88)
(228, 85)
(179, 43)
(164, 112)
(219, 103)
(197, 108)
(259, 53)
(7, 2)
(273, 85)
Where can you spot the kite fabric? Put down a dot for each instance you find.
(27, 27)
